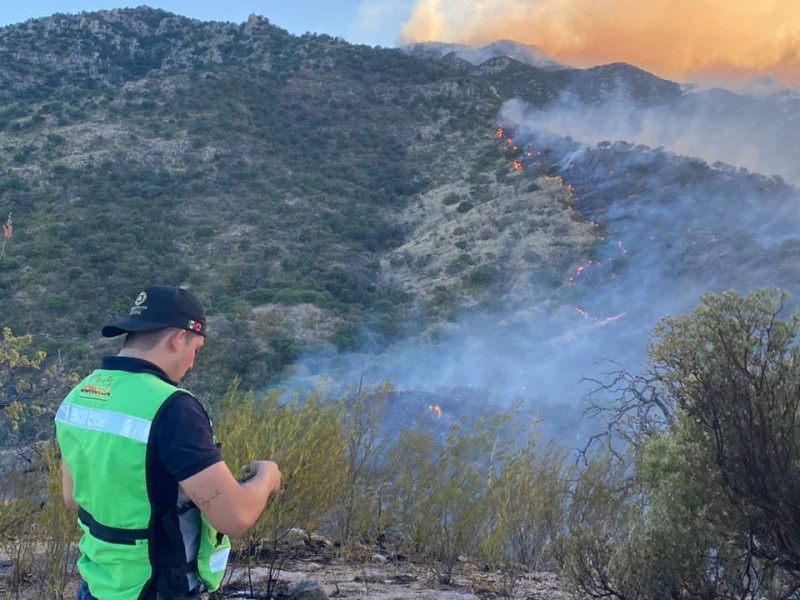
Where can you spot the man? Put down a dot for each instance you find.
(141, 467)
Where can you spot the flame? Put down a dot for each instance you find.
(677, 39)
(578, 270)
(435, 409)
(8, 231)
(8, 228)
(510, 146)
(607, 320)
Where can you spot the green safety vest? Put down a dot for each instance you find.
(103, 428)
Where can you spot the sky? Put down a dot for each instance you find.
(681, 40)
(373, 22)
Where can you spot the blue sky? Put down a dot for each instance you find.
(374, 22)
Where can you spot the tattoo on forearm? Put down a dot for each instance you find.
(204, 503)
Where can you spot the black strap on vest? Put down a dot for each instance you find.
(112, 535)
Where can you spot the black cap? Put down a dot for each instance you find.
(160, 306)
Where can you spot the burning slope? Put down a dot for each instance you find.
(666, 228)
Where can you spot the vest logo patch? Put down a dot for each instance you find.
(100, 393)
(98, 387)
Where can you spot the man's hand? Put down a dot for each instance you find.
(267, 470)
(232, 507)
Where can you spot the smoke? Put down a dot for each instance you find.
(673, 228)
(687, 200)
(683, 40)
(760, 133)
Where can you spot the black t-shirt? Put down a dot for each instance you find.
(181, 435)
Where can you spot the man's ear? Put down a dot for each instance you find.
(176, 339)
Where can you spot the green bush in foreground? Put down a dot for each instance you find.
(711, 472)
(305, 438)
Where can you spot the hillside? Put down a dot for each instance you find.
(333, 201)
(263, 169)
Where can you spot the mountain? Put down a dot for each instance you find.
(266, 170)
(343, 209)
(524, 53)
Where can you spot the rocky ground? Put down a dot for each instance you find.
(311, 567)
(382, 579)
(321, 578)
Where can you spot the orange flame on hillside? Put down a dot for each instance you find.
(8, 231)
(8, 228)
(436, 409)
(578, 270)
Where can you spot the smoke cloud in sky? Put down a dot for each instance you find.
(683, 40)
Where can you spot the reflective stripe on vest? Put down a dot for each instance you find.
(96, 419)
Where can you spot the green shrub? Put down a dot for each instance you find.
(458, 264)
(712, 461)
(438, 494)
(483, 275)
(305, 438)
(451, 199)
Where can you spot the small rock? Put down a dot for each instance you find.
(320, 540)
(371, 576)
(308, 590)
(379, 559)
(294, 538)
(455, 596)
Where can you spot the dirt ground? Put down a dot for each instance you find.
(377, 579)
(398, 581)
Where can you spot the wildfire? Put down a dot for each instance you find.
(607, 320)
(8, 230)
(578, 270)
(510, 146)
(435, 409)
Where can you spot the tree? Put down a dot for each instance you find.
(29, 388)
(708, 438)
(733, 368)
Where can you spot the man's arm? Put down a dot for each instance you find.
(66, 488)
(232, 507)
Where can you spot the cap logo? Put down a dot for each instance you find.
(196, 326)
(137, 307)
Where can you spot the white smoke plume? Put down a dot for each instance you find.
(683, 40)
